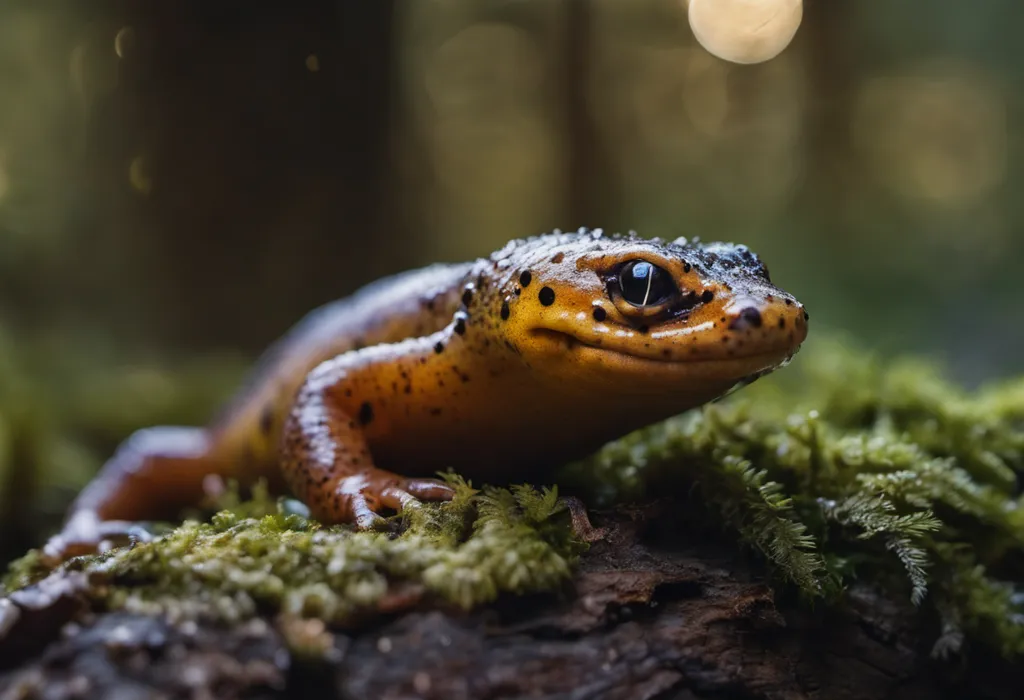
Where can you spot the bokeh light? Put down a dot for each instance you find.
(745, 31)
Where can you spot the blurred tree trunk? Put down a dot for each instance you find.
(592, 197)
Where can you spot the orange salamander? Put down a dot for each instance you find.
(502, 368)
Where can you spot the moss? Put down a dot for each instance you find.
(854, 468)
(258, 557)
(841, 467)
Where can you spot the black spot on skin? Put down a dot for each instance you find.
(430, 304)
(558, 257)
(789, 302)
(666, 352)
(600, 314)
(365, 413)
(546, 296)
(504, 311)
(707, 296)
(747, 318)
(467, 296)
(525, 278)
(348, 393)
(267, 419)
(807, 316)
(782, 323)
(687, 267)
(439, 347)
(642, 330)
(435, 411)
(517, 291)
(460, 325)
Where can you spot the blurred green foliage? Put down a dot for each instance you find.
(63, 412)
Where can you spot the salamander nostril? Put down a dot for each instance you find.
(749, 317)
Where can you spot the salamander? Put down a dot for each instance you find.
(501, 368)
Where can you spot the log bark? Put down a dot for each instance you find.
(657, 609)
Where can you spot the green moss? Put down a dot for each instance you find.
(841, 467)
(854, 468)
(248, 559)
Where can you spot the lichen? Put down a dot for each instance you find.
(841, 467)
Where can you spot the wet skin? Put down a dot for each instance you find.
(502, 368)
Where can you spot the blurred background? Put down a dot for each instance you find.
(181, 181)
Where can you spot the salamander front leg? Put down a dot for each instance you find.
(154, 473)
(326, 462)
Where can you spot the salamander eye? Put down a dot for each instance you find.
(644, 284)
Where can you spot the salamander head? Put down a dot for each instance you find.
(644, 316)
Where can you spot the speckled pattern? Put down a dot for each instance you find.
(501, 368)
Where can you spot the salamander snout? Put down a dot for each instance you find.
(757, 321)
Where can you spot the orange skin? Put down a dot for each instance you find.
(502, 368)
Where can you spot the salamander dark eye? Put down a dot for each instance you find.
(644, 284)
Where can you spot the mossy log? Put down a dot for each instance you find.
(656, 609)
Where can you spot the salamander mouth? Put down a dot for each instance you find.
(767, 359)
